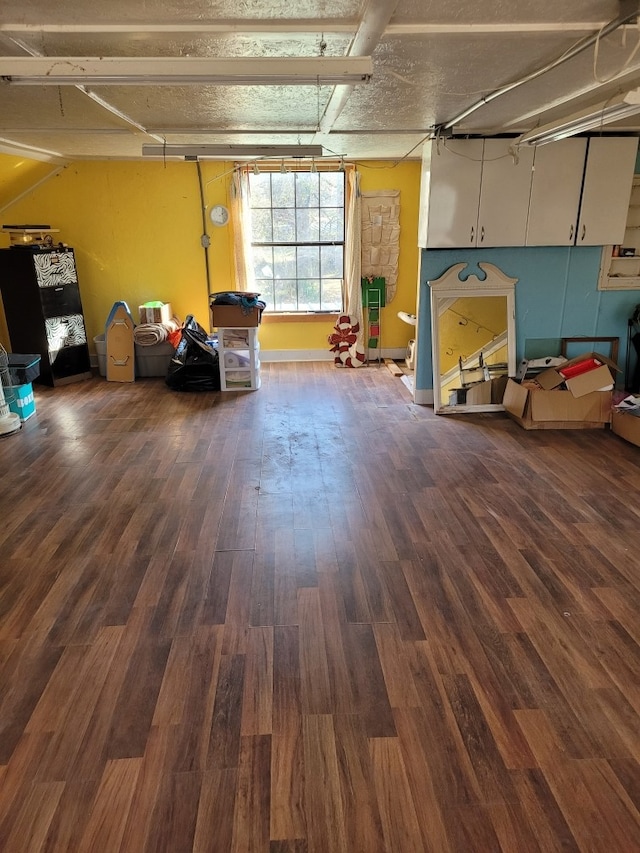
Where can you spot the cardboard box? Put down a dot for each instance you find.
(486, 393)
(627, 426)
(155, 312)
(20, 400)
(535, 408)
(585, 383)
(234, 317)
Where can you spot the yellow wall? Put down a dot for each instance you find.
(18, 174)
(136, 228)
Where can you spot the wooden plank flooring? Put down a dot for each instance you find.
(314, 619)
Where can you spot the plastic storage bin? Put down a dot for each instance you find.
(23, 368)
(149, 361)
(238, 350)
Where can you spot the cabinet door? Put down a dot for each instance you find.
(504, 194)
(555, 193)
(607, 186)
(454, 193)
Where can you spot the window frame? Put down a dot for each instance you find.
(270, 299)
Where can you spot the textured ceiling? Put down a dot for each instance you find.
(432, 60)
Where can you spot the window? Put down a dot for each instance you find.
(297, 239)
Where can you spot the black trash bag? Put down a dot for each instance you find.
(194, 366)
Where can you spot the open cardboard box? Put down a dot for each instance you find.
(534, 408)
(599, 379)
(627, 426)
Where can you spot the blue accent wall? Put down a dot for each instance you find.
(556, 296)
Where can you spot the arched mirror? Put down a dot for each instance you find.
(473, 338)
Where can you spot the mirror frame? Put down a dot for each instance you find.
(450, 285)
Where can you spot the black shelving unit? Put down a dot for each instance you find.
(43, 310)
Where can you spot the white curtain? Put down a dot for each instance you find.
(241, 223)
(353, 252)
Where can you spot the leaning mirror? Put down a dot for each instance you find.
(473, 338)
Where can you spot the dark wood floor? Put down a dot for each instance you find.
(314, 618)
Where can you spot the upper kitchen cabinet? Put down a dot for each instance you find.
(450, 193)
(608, 179)
(474, 193)
(555, 193)
(504, 194)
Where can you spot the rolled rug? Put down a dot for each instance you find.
(148, 334)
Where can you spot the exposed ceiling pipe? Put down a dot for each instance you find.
(629, 10)
(374, 22)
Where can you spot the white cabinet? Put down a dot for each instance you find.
(238, 353)
(504, 195)
(572, 192)
(555, 193)
(478, 194)
(450, 199)
(607, 185)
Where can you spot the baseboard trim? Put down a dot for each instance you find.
(423, 396)
(322, 355)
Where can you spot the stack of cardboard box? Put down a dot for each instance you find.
(573, 395)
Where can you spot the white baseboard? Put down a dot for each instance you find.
(423, 396)
(267, 355)
(322, 354)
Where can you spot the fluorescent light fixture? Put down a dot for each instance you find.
(231, 152)
(593, 118)
(184, 70)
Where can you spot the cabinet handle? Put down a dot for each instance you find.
(58, 289)
(584, 231)
(482, 234)
(571, 232)
(473, 231)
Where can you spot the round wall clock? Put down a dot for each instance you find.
(219, 214)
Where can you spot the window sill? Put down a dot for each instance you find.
(310, 317)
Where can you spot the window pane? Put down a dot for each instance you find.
(262, 262)
(267, 293)
(307, 190)
(331, 224)
(307, 221)
(308, 262)
(331, 295)
(332, 189)
(285, 295)
(331, 258)
(283, 190)
(260, 190)
(308, 294)
(284, 225)
(284, 262)
(261, 226)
